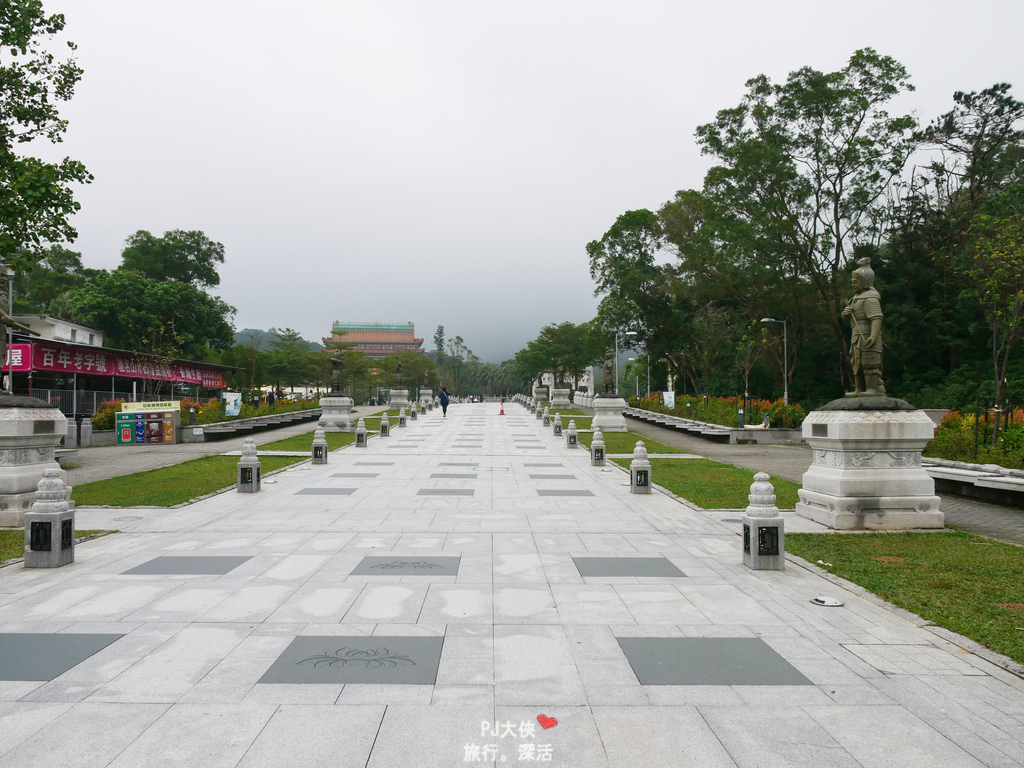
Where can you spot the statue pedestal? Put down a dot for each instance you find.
(400, 398)
(336, 413)
(867, 470)
(426, 396)
(540, 393)
(608, 414)
(560, 398)
(30, 431)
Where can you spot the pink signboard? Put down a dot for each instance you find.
(41, 356)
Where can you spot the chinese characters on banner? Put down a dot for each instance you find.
(100, 362)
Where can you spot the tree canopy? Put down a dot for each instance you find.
(189, 257)
(36, 200)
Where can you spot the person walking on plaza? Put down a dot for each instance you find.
(444, 397)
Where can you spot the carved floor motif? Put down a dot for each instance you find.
(365, 659)
(416, 565)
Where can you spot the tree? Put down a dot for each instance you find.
(806, 166)
(439, 341)
(41, 282)
(165, 318)
(993, 264)
(190, 257)
(290, 358)
(981, 140)
(36, 201)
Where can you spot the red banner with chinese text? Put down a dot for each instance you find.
(41, 356)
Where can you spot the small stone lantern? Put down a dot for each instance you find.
(538, 411)
(385, 425)
(764, 530)
(361, 434)
(571, 438)
(50, 525)
(556, 425)
(640, 470)
(248, 468)
(401, 418)
(412, 412)
(546, 422)
(319, 445)
(597, 452)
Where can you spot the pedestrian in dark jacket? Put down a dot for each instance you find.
(444, 397)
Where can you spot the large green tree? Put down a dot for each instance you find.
(36, 200)
(41, 283)
(166, 318)
(805, 169)
(189, 257)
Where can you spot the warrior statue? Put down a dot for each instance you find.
(864, 311)
(337, 368)
(398, 374)
(609, 371)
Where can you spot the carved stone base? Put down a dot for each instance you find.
(336, 413)
(426, 395)
(560, 398)
(540, 393)
(867, 470)
(399, 398)
(608, 414)
(30, 431)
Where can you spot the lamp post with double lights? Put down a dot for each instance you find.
(785, 357)
(624, 333)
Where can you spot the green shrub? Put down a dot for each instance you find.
(725, 410)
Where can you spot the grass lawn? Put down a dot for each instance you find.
(957, 580)
(171, 485)
(12, 542)
(625, 442)
(304, 442)
(565, 412)
(713, 485)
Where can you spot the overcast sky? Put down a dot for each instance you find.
(442, 162)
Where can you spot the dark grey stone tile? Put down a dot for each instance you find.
(189, 565)
(326, 492)
(708, 661)
(417, 565)
(358, 659)
(731, 520)
(36, 656)
(626, 566)
(445, 492)
(564, 492)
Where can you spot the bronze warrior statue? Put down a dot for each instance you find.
(337, 368)
(609, 371)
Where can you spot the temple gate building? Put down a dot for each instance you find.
(376, 339)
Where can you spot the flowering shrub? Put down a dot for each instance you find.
(955, 439)
(725, 410)
(104, 416)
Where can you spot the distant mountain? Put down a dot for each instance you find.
(266, 339)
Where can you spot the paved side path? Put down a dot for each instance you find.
(791, 461)
(100, 463)
(470, 591)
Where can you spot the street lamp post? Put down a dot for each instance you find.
(624, 333)
(785, 357)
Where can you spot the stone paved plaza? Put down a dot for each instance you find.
(470, 591)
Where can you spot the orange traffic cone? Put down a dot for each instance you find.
(502, 413)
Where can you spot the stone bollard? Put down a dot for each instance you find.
(538, 411)
(385, 425)
(597, 453)
(571, 438)
(319, 445)
(764, 530)
(546, 417)
(412, 412)
(248, 469)
(556, 426)
(640, 470)
(401, 418)
(50, 525)
(361, 434)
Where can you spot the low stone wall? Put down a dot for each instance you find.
(224, 429)
(985, 482)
